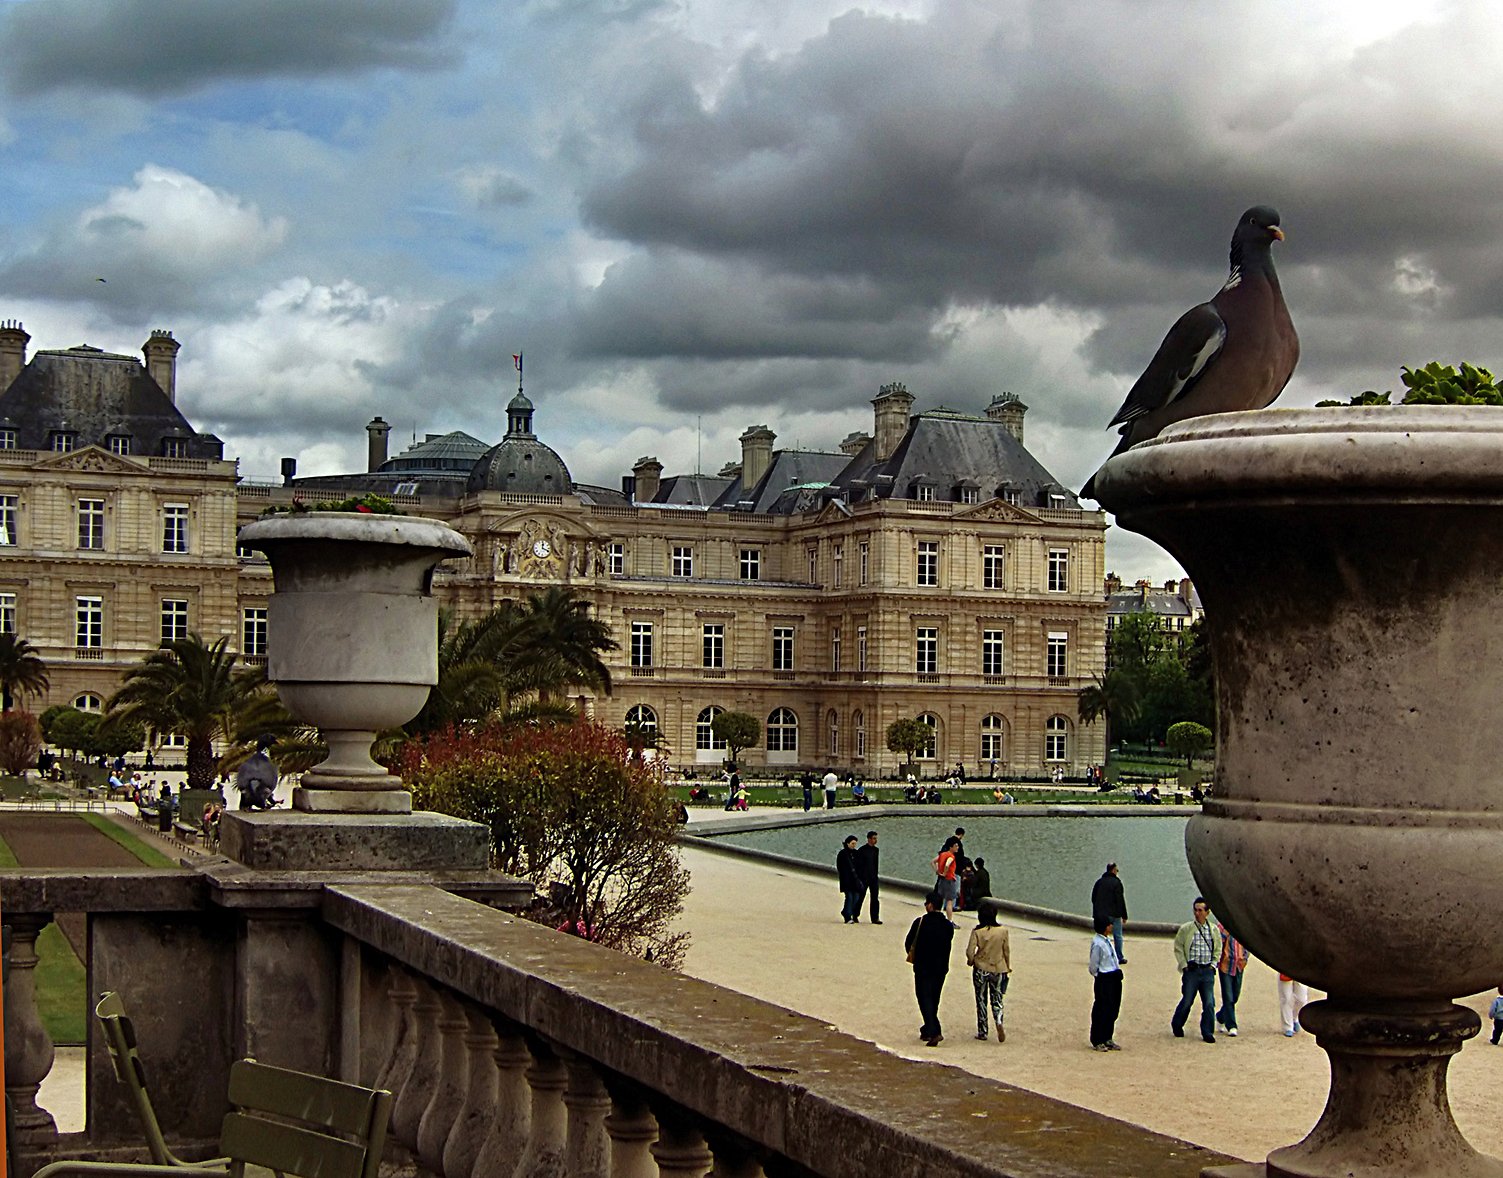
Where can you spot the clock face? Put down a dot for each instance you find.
(542, 549)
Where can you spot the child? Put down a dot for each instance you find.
(1495, 1012)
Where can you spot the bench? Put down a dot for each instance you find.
(186, 831)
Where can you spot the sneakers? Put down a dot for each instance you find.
(1297, 1027)
(1113, 1045)
(1289, 1034)
(1100, 1047)
(1232, 1031)
(982, 1035)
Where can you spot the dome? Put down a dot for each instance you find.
(521, 464)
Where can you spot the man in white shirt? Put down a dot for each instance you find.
(831, 784)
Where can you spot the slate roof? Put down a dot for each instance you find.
(691, 490)
(521, 464)
(1159, 602)
(438, 454)
(95, 394)
(790, 470)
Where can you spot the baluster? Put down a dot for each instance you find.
(28, 1049)
(735, 1162)
(588, 1152)
(449, 1093)
(401, 995)
(380, 1020)
(680, 1151)
(412, 1100)
(632, 1129)
(544, 1155)
(473, 1125)
(512, 1124)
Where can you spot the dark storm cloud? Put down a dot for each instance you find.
(160, 47)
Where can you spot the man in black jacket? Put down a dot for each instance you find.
(928, 945)
(867, 871)
(850, 880)
(1109, 902)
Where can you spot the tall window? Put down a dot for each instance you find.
(683, 561)
(861, 648)
(930, 750)
(175, 527)
(704, 737)
(858, 728)
(782, 731)
(837, 559)
(928, 562)
(1056, 739)
(813, 565)
(88, 613)
(643, 719)
(1058, 651)
(992, 563)
(616, 554)
(1059, 570)
(7, 613)
(832, 733)
(834, 648)
(863, 560)
(174, 619)
(782, 648)
(751, 564)
(991, 652)
(253, 631)
(119, 443)
(714, 636)
(641, 644)
(9, 509)
(991, 737)
(91, 523)
(926, 650)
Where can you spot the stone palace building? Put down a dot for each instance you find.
(932, 568)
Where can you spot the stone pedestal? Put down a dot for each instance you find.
(281, 840)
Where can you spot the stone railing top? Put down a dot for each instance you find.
(787, 1083)
(100, 889)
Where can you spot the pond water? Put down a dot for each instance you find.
(1051, 861)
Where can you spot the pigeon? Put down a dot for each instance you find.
(1236, 352)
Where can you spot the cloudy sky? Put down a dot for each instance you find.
(696, 215)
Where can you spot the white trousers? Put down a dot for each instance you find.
(1292, 999)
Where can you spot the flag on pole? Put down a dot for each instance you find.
(517, 360)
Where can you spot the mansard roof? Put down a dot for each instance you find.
(789, 470)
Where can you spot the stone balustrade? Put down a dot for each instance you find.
(512, 1050)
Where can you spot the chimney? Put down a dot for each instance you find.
(1007, 409)
(1186, 590)
(756, 455)
(892, 403)
(1113, 584)
(375, 453)
(161, 361)
(854, 443)
(648, 473)
(13, 341)
(289, 471)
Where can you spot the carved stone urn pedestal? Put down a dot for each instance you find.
(1350, 562)
(352, 639)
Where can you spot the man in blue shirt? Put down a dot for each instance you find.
(1107, 971)
(1197, 949)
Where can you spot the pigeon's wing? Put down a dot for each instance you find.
(1191, 346)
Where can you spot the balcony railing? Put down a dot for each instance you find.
(510, 1048)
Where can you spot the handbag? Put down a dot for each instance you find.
(913, 949)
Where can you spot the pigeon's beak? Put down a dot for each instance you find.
(1278, 234)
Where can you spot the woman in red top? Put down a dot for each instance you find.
(947, 875)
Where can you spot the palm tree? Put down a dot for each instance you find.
(22, 671)
(190, 688)
(555, 644)
(1114, 697)
(470, 683)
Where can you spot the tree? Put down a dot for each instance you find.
(1113, 697)
(570, 809)
(116, 740)
(554, 644)
(191, 688)
(1137, 642)
(1189, 740)
(739, 730)
(910, 737)
(20, 741)
(72, 730)
(22, 671)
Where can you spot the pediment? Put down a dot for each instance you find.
(999, 511)
(90, 460)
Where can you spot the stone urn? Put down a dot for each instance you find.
(352, 631)
(1350, 563)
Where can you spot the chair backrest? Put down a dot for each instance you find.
(120, 1039)
(341, 1129)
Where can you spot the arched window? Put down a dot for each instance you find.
(705, 741)
(782, 731)
(89, 702)
(991, 738)
(930, 750)
(858, 725)
(1056, 739)
(832, 727)
(643, 719)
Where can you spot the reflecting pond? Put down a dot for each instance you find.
(1047, 860)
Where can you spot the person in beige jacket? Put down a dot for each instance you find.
(989, 956)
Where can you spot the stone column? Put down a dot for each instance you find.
(473, 1126)
(28, 1049)
(632, 1129)
(680, 1150)
(511, 1126)
(448, 1095)
(544, 1155)
(588, 1153)
(412, 1100)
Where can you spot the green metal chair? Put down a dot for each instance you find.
(339, 1131)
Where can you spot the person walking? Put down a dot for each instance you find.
(1107, 988)
(947, 875)
(928, 945)
(867, 871)
(807, 781)
(989, 955)
(1197, 949)
(850, 881)
(1495, 1012)
(1109, 902)
(831, 784)
(1229, 970)
(1292, 998)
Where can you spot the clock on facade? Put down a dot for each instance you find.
(542, 549)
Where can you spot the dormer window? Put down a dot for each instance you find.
(7, 438)
(118, 443)
(924, 493)
(62, 441)
(174, 448)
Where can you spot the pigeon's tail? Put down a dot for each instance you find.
(1089, 490)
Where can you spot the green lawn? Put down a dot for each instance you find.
(60, 978)
(141, 849)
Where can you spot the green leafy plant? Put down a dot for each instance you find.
(739, 730)
(366, 504)
(1188, 739)
(909, 737)
(1435, 384)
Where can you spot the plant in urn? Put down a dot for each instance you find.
(1348, 561)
